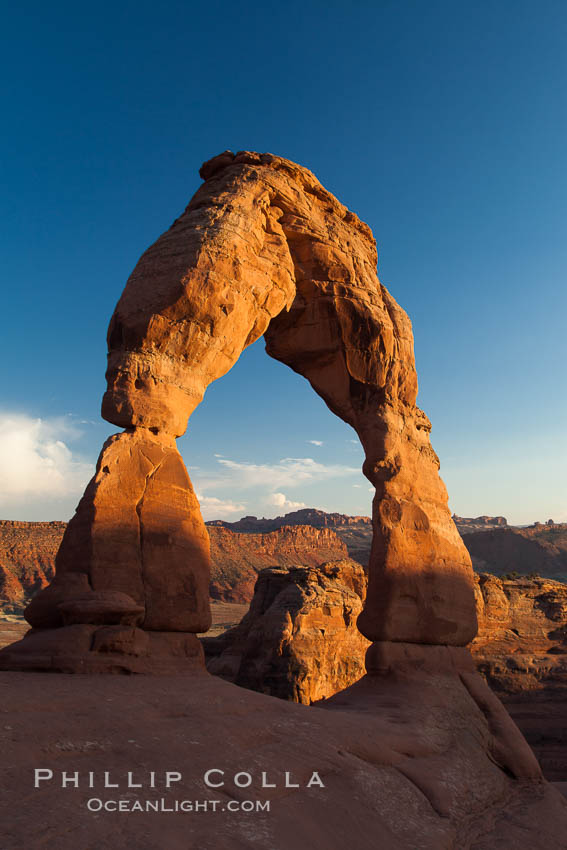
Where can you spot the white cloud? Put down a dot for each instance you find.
(213, 508)
(36, 462)
(315, 442)
(279, 500)
(288, 472)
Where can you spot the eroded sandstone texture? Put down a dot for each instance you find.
(299, 640)
(262, 248)
(27, 560)
(521, 644)
(237, 558)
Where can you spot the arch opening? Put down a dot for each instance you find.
(262, 249)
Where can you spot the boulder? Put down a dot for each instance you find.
(299, 640)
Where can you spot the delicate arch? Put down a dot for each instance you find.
(262, 248)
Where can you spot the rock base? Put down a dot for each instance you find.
(445, 674)
(406, 763)
(87, 648)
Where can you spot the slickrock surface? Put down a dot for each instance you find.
(412, 760)
(299, 640)
(238, 558)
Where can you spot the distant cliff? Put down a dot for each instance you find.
(521, 649)
(307, 537)
(28, 549)
(27, 559)
(238, 558)
(522, 633)
(306, 516)
(354, 531)
(540, 549)
(467, 524)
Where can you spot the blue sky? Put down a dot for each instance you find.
(442, 124)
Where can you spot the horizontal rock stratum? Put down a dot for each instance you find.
(236, 559)
(28, 551)
(522, 638)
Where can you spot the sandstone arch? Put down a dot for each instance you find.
(262, 248)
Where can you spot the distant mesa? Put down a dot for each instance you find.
(238, 557)
(305, 516)
(538, 548)
(479, 523)
(521, 645)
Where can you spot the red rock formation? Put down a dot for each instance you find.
(263, 248)
(140, 503)
(522, 638)
(480, 523)
(28, 550)
(406, 762)
(305, 516)
(27, 559)
(237, 558)
(301, 268)
(299, 640)
(521, 649)
(538, 549)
